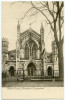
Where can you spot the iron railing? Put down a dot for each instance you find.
(19, 75)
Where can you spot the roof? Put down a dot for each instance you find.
(30, 30)
(12, 51)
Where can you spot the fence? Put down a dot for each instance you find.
(22, 75)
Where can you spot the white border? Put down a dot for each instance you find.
(0, 51)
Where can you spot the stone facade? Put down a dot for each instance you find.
(30, 55)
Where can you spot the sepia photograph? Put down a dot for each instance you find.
(33, 57)
(32, 44)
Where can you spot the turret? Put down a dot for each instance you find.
(5, 45)
(4, 52)
(18, 27)
(18, 40)
(18, 31)
(42, 46)
(55, 59)
(42, 37)
(42, 33)
(18, 46)
(54, 52)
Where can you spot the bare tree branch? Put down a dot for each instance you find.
(43, 14)
(59, 10)
(26, 13)
(42, 6)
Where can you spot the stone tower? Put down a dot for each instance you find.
(55, 58)
(18, 46)
(4, 52)
(54, 52)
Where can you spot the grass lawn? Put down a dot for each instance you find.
(34, 84)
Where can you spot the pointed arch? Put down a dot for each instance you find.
(30, 49)
(11, 70)
(31, 69)
(49, 71)
(26, 51)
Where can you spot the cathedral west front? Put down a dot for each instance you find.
(30, 57)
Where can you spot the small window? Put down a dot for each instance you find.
(12, 57)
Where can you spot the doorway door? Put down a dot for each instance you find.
(11, 71)
(31, 69)
(49, 71)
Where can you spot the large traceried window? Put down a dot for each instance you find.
(26, 51)
(30, 49)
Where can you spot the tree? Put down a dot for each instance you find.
(55, 20)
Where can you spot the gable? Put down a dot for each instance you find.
(27, 35)
(30, 33)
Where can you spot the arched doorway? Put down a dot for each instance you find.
(11, 71)
(49, 71)
(31, 69)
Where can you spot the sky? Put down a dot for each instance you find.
(10, 16)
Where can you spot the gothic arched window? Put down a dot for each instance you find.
(26, 52)
(34, 51)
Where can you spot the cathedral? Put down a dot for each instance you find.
(30, 57)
